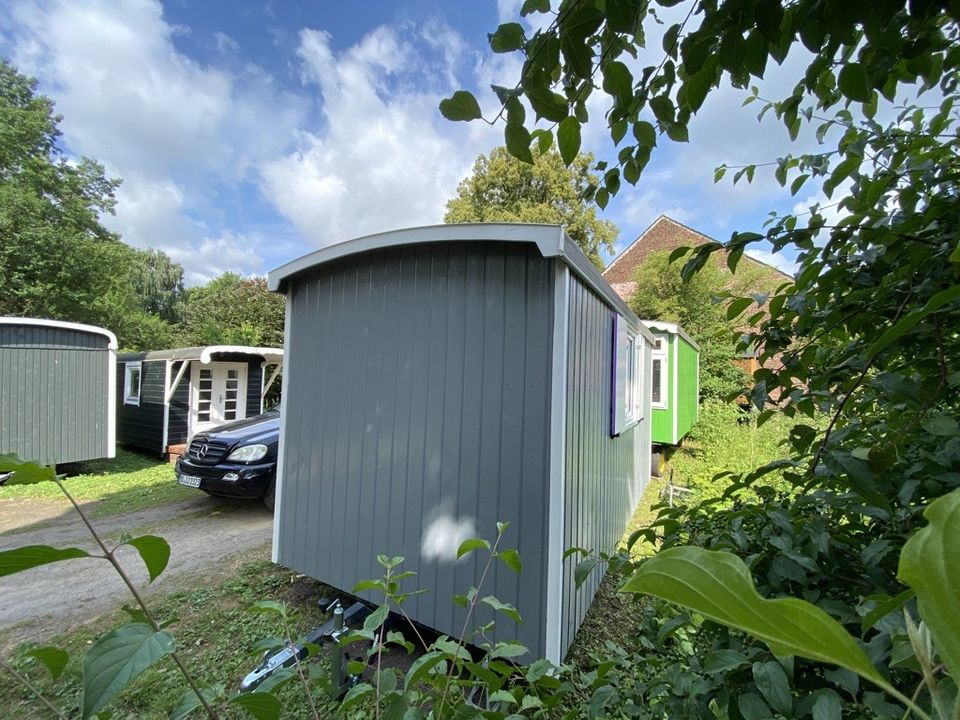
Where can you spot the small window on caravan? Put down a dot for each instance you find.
(131, 383)
(625, 375)
(658, 375)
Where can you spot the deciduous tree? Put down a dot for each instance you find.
(504, 189)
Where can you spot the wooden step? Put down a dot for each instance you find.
(175, 451)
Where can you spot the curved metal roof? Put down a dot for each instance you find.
(671, 328)
(205, 353)
(79, 327)
(551, 241)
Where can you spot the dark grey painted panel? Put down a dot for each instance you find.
(141, 426)
(53, 393)
(604, 475)
(420, 407)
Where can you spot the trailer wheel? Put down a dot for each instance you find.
(269, 493)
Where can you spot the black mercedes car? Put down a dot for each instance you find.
(237, 460)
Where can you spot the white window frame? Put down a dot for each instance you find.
(661, 355)
(626, 377)
(129, 398)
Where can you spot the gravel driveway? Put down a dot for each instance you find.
(203, 533)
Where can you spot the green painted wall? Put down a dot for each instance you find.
(661, 430)
(672, 423)
(687, 387)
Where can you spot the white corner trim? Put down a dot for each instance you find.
(281, 444)
(675, 348)
(557, 480)
(40, 322)
(111, 403)
(167, 365)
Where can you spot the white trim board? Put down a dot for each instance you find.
(557, 479)
(40, 322)
(281, 443)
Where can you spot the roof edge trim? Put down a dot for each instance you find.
(672, 328)
(80, 327)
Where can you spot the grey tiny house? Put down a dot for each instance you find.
(165, 396)
(441, 379)
(56, 390)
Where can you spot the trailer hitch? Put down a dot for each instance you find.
(331, 630)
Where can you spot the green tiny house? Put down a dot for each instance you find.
(675, 382)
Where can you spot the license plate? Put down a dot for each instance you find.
(188, 480)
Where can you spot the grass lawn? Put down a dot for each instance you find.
(126, 483)
(215, 634)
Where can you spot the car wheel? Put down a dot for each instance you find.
(268, 494)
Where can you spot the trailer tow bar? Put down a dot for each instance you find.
(331, 630)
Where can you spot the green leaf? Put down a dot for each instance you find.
(355, 695)
(269, 606)
(508, 650)
(618, 82)
(752, 707)
(31, 556)
(568, 138)
(772, 682)
(25, 472)
(906, 323)
(507, 38)
(602, 696)
(262, 705)
(885, 608)
(462, 105)
(736, 307)
(583, 570)
(678, 132)
(154, 551)
(53, 658)
(531, 6)
(506, 608)
(517, 140)
(512, 559)
(118, 657)
(422, 666)
(852, 82)
(375, 619)
(502, 696)
(720, 661)
(930, 565)
(662, 107)
(190, 701)
(645, 133)
(827, 706)
(471, 544)
(942, 426)
(718, 586)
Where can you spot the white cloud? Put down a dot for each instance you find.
(777, 259)
(385, 158)
(177, 131)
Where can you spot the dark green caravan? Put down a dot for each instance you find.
(165, 396)
(441, 379)
(56, 390)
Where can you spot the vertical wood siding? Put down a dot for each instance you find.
(604, 476)
(141, 426)
(421, 401)
(53, 393)
(687, 387)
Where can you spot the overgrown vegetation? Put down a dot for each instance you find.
(725, 441)
(862, 346)
(216, 631)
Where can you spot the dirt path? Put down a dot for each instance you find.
(204, 534)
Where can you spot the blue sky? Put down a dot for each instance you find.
(248, 134)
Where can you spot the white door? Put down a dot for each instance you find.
(218, 394)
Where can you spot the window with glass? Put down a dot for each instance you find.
(131, 383)
(658, 375)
